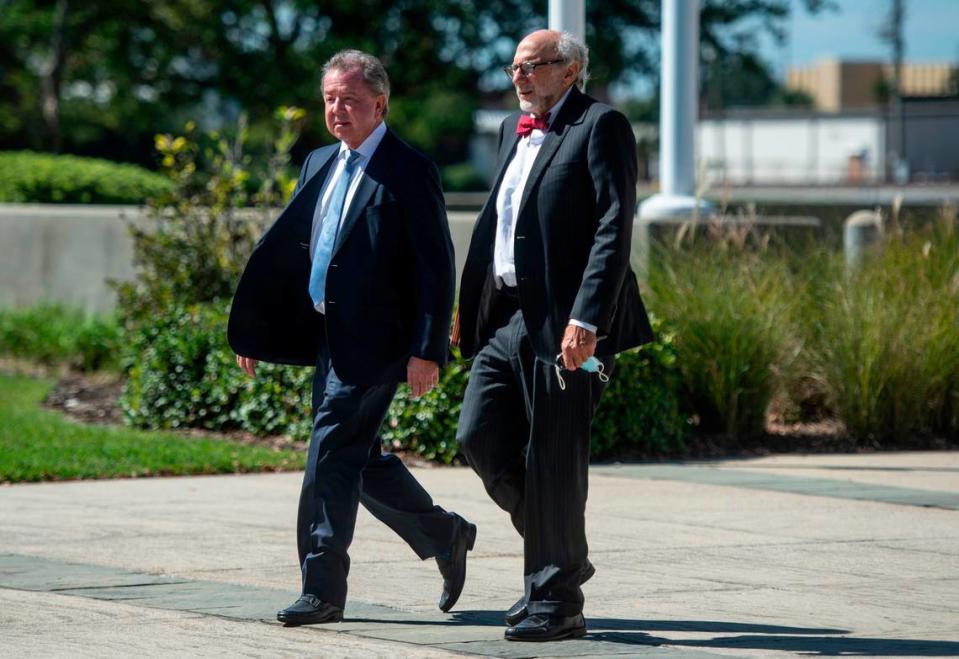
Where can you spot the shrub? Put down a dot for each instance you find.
(53, 334)
(200, 232)
(182, 374)
(463, 177)
(886, 340)
(642, 408)
(46, 178)
(730, 310)
(427, 425)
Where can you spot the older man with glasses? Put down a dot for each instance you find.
(547, 299)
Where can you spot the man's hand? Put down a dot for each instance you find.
(248, 365)
(578, 345)
(422, 375)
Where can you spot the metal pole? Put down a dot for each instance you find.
(568, 16)
(680, 54)
(679, 100)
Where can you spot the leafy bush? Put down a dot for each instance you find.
(200, 232)
(642, 408)
(182, 374)
(463, 177)
(46, 178)
(53, 334)
(427, 425)
(730, 309)
(886, 339)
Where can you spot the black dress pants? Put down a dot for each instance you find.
(345, 466)
(528, 440)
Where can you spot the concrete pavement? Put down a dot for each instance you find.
(779, 556)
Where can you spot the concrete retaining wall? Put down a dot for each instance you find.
(64, 254)
(68, 253)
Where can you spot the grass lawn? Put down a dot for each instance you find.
(38, 444)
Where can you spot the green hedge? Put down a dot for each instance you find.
(54, 334)
(463, 177)
(27, 177)
(182, 374)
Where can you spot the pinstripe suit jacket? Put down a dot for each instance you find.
(573, 232)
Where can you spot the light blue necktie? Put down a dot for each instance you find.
(328, 230)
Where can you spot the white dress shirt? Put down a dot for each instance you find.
(366, 150)
(508, 200)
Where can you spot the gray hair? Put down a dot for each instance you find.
(374, 75)
(572, 49)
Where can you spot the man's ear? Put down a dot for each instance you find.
(381, 105)
(572, 71)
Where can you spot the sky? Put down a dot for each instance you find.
(931, 33)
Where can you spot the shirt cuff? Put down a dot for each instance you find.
(585, 326)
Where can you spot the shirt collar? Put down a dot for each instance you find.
(368, 147)
(554, 111)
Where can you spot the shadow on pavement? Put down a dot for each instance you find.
(806, 640)
(494, 618)
(825, 646)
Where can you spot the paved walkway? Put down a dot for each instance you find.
(781, 556)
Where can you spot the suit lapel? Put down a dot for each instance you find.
(373, 176)
(568, 114)
(308, 197)
(323, 165)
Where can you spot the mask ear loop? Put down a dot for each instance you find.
(559, 374)
(601, 372)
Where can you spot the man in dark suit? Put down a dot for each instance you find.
(356, 277)
(546, 290)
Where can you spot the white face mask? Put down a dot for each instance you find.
(591, 365)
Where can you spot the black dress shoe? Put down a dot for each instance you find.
(309, 610)
(541, 627)
(453, 568)
(517, 613)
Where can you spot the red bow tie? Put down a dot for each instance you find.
(528, 122)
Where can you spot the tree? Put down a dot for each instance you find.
(119, 71)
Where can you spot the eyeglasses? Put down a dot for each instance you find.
(528, 68)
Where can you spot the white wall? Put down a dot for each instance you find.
(789, 150)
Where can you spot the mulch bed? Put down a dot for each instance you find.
(94, 399)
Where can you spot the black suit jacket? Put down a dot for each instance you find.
(390, 284)
(573, 232)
